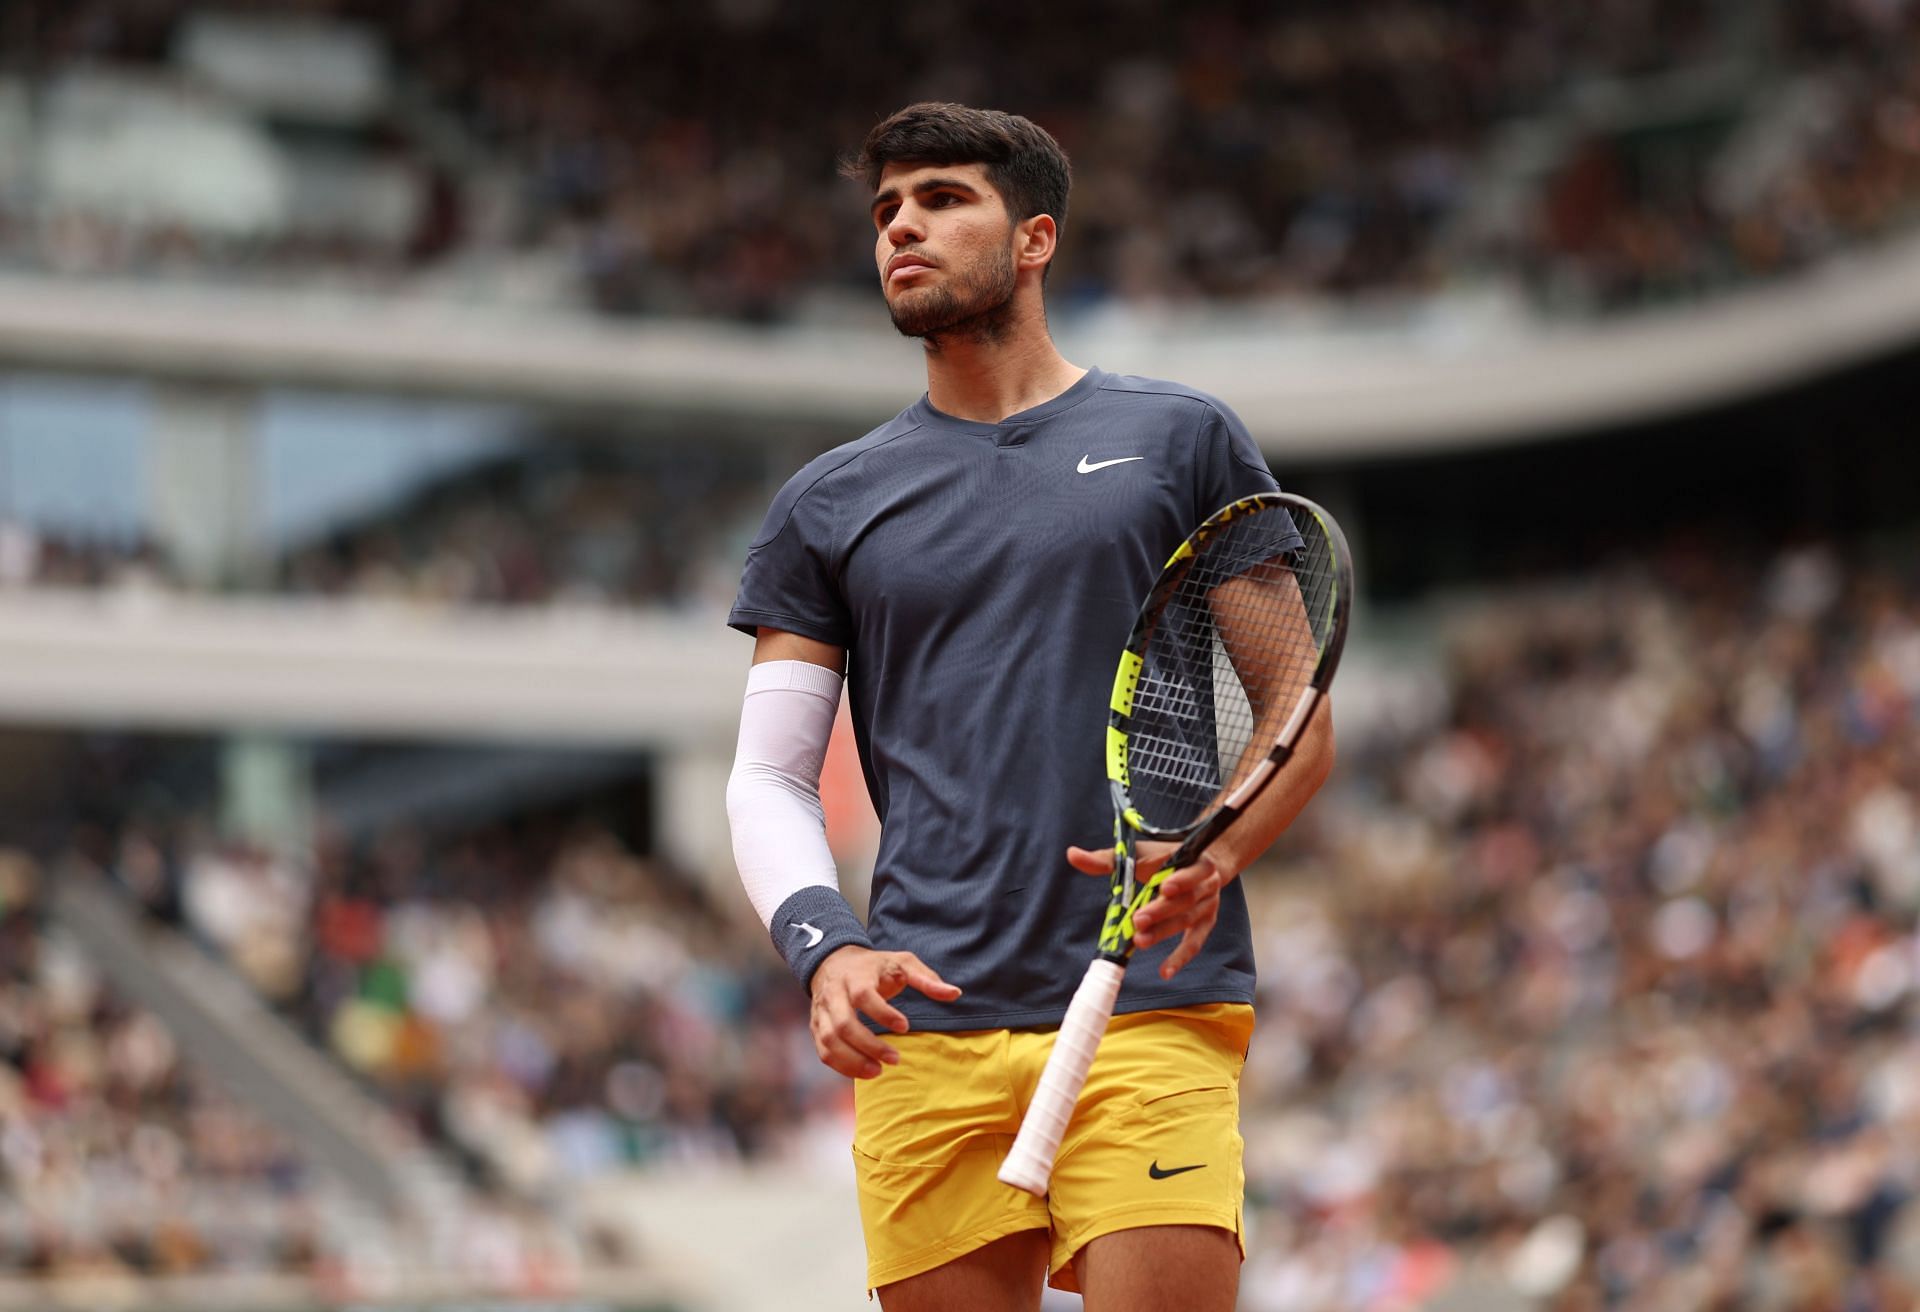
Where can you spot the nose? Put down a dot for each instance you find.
(906, 227)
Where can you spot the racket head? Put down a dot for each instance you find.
(1233, 646)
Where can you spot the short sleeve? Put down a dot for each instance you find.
(1227, 463)
(790, 582)
(1230, 467)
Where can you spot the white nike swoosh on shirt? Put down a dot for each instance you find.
(813, 942)
(1085, 468)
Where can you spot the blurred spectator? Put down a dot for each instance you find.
(116, 1159)
(49, 559)
(1614, 989)
(552, 1004)
(643, 523)
(656, 522)
(1600, 986)
(604, 154)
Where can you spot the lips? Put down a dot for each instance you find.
(903, 265)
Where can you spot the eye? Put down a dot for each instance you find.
(884, 215)
(942, 199)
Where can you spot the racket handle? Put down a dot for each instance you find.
(1029, 1164)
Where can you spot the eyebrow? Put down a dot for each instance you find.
(921, 188)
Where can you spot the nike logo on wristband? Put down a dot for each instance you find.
(805, 928)
(1159, 1174)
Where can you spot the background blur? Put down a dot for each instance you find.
(388, 391)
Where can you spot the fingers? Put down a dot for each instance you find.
(840, 1038)
(1191, 942)
(1187, 903)
(1091, 861)
(842, 1042)
(919, 975)
(1147, 858)
(872, 1000)
(1200, 880)
(1159, 921)
(897, 971)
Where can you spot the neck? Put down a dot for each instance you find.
(988, 377)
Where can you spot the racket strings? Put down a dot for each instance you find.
(1231, 643)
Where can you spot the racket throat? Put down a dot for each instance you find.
(1129, 892)
(1116, 934)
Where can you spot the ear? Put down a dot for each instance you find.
(1035, 239)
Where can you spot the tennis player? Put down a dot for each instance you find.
(970, 570)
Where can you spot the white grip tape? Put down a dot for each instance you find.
(1029, 1163)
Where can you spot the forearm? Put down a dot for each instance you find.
(773, 802)
(1264, 624)
(1281, 801)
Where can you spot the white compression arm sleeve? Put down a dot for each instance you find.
(779, 827)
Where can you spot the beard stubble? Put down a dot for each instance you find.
(976, 307)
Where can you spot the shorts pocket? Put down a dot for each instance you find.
(910, 1209)
(1185, 1102)
(893, 1185)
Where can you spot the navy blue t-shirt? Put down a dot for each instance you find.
(983, 579)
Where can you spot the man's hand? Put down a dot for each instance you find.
(1187, 903)
(854, 980)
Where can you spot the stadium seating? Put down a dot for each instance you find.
(1229, 154)
(120, 1160)
(1595, 972)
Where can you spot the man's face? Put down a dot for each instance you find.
(944, 247)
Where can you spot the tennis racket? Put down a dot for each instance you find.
(1234, 648)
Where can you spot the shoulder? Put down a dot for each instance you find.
(846, 456)
(1165, 397)
(820, 475)
(1226, 459)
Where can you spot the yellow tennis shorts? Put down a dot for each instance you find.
(1155, 1139)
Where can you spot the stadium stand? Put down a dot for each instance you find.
(582, 523)
(1628, 154)
(593, 522)
(36, 557)
(120, 1160)
(1611, 988)
(135, 1177)
(1606, 1000)
(551, 1004)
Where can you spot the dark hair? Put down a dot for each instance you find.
(1023, 161)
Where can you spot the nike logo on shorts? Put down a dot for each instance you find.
(1085, 468)
(1159, 1174)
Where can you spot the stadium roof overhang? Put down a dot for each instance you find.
(1311, 385)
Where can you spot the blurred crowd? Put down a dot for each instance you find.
(658, 524)
(118, 1160)
(1223, 151)
(1605, 986)
(531, 993)
(650, 523)
(31, 556)
(1826, 157)
(1597, 988)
